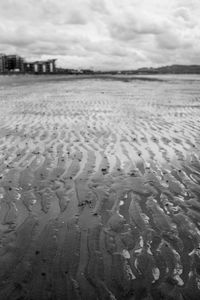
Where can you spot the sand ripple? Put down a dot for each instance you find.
(99, 191)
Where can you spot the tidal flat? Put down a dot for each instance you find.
(100, 188)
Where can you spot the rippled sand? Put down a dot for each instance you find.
(99, 189)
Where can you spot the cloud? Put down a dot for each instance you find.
(183, 13)
(107, 34)
(129, 24)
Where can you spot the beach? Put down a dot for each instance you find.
(100, 187)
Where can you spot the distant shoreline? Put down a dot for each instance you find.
(62, 77)
(23, 79)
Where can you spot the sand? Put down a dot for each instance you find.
(99, 188)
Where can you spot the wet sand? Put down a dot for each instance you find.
(99, 189)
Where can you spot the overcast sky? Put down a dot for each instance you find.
(102, 34)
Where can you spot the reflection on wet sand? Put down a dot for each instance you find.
(99, 191)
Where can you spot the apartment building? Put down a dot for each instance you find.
(11, 63)
(2, 63)
(40, 67)
(14, 63)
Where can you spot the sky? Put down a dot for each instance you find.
(102, 34)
